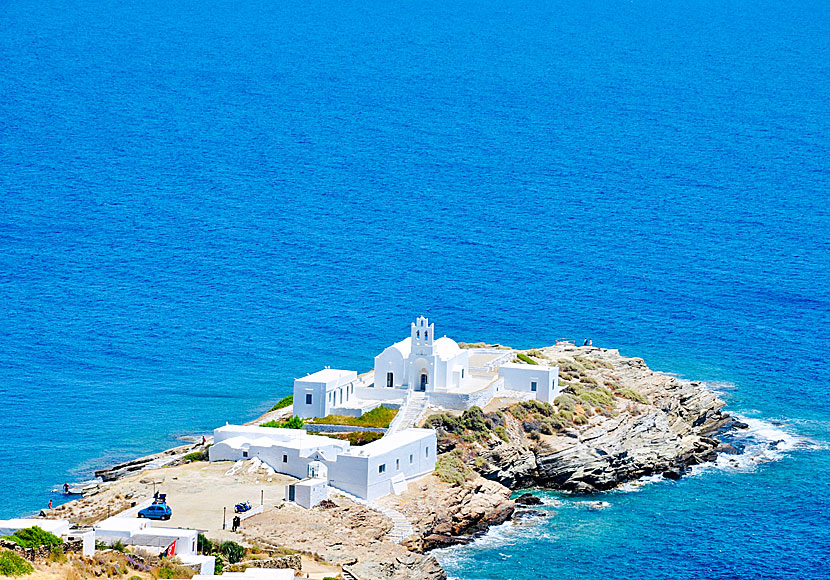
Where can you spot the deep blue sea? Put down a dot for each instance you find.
(200, 201)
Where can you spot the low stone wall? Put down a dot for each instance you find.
(42, 552)
(341, 428)
(293, 561)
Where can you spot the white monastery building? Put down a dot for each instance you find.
(411, 375)
(424, 366)
(368, 471)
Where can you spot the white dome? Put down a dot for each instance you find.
(446, 348)
(404, 347)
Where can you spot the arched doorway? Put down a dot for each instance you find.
(423, 381)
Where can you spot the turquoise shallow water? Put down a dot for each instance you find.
(201, 201)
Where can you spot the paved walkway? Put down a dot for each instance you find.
(415, 406)
(401, 528)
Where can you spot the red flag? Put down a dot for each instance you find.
(171, 550)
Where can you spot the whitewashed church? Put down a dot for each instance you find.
(422, 362)
(424, 367)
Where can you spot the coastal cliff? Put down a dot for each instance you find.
(615, 421)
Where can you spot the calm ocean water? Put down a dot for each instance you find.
(200, 201)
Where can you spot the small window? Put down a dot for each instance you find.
(532, 385)
(308, 399)
(382, 468)
(397, 465)
(244, 454)
(417, 334)
(426, 334)
(285, 458)
(341, 396)
(390, 380)
(462, 373)
(411, 458)
(427, 451)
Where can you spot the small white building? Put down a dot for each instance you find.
(386, 465)
(368, 471)
(61, 528)
(56, 527)
(317, 394)
(288, 451)
(139, 533)
(539, 382)
(307, 492)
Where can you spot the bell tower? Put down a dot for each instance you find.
(423, 334)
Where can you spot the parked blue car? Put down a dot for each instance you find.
(156, 512)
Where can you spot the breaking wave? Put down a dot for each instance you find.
(763, 441)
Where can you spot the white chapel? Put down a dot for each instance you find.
(422, 362)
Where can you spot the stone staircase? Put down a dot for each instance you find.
(401, 528)
(408, 416)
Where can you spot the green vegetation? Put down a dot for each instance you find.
(201, 455)
(13, 565)
(502, 433)
(600, 397)
(471, 419)
(355, 438)
(232, 551)
(219, 564)
(292, 423)
(283, 403)
(203, 545)
(523, 357)
(56, 554)
(170, 569)
(536, 353)
(539, 417)
(450, 468)
(632, 395)
(34, 537)
(377, 417)
(566, 402)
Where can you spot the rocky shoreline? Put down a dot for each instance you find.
(653, 424)
(616, 421)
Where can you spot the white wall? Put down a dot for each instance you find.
(519, 377)
(325, 394)
(318, 406)
(308, 493)
(390, 360)
(361, 476)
